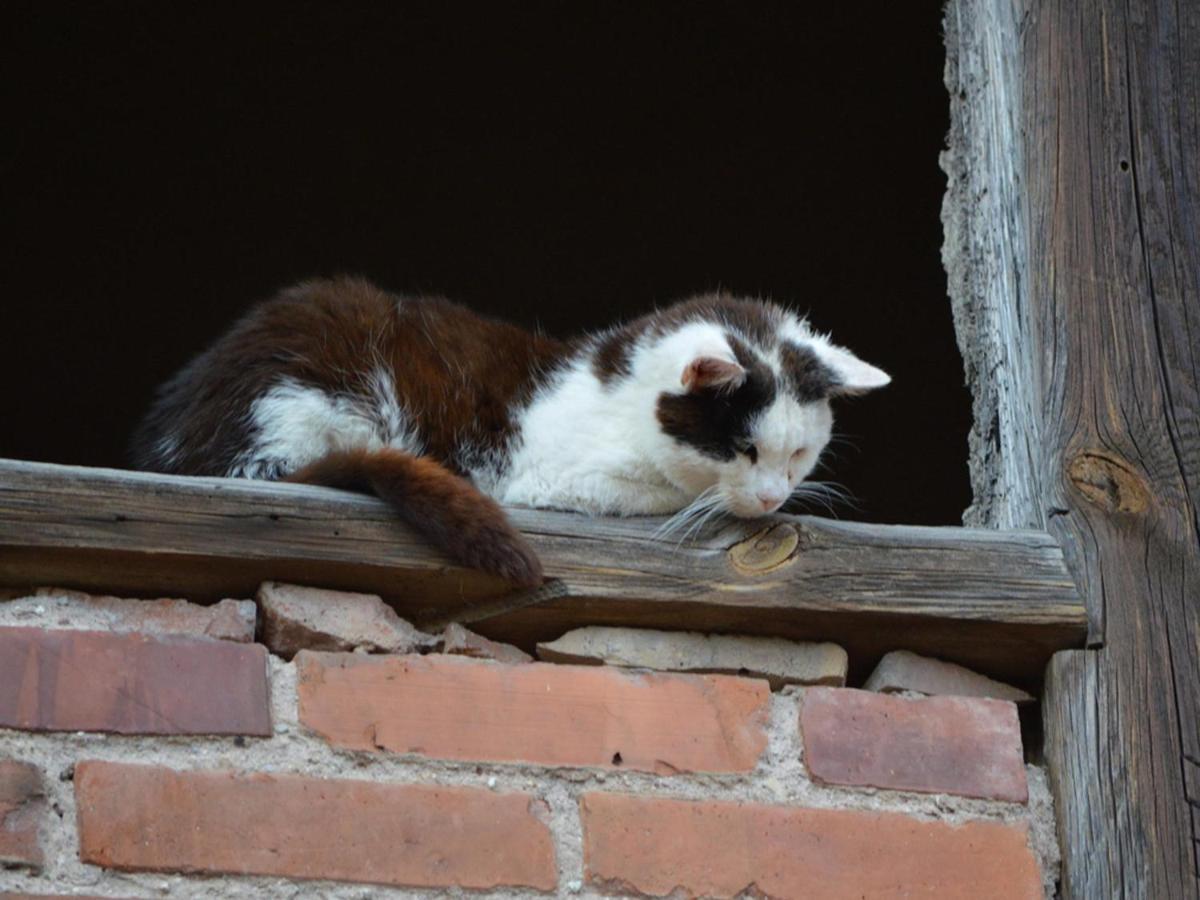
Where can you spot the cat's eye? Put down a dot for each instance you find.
(751, 451)
(799, 453)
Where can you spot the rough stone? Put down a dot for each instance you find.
(901, 670)
(970, 746)
(780, 661)
(449, 707)
(69, 680)
(661, 847)
(138, 817)
(230, 620)
(299, 618)
(22, 805)
(464, 642)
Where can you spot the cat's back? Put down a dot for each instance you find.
(330, 364)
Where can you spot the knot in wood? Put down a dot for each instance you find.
(767, 550)
(1108, 483)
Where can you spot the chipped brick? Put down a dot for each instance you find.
(22, 805)
(778, 660)
(464, 642)
(304, 618)
(229, 620)
(901, 670)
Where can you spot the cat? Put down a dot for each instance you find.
(714, 404)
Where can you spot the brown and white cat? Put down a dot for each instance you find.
(715, 404)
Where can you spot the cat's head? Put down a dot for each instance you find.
(741, 395)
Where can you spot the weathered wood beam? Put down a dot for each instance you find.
(999, 602)
(1073, 242)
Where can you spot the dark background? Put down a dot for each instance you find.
(164, 166)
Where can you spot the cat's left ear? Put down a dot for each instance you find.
(853, 375)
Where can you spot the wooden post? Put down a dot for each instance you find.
(1074, 258)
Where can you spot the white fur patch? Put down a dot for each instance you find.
(598, 447)
(166, 450)
(296, 424)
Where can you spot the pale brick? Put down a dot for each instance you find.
(464, 642)
(457, 708)
(780, 661)
(230, 620)
(901, 670)
(305, 618)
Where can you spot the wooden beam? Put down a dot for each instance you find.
(1075, 183)
(1001, 603)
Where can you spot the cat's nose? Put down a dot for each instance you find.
(770, 500)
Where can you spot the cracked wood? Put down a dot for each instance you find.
(1074, 254)
(999, 603)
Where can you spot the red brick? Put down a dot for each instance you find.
(955, 745)
(455, 708)
(142, 818)
(659, 846)
(131, 683)
(22, 804)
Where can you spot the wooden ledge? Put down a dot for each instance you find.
(1000, 602)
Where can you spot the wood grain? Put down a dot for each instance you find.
(999, 602)
(1088, 115)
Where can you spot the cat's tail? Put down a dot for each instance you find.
(449, 511)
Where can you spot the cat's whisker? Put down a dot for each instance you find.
(828, 494)
(697, 526)
(703, 501)
(678, 519)
(715, 510)
(695, 512)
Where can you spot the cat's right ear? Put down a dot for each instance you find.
(712, 373)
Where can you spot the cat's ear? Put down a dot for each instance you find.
(713, 373)
(853, 375)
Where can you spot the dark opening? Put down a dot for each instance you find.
(164, 167)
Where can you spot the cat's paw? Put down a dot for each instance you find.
(503, 552)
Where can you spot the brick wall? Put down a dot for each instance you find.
(137, 761)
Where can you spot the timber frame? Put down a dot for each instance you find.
(1073, 256)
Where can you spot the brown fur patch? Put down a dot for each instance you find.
(457, 374)
(447, 510)
(757, 320)
(808, 378)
